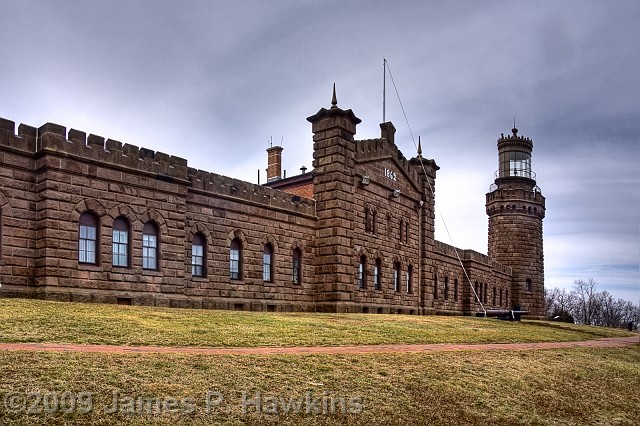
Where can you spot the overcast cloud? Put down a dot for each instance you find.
(212, 81)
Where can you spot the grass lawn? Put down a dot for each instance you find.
(571, 386)
(26, 320)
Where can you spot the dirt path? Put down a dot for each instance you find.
(368, 349)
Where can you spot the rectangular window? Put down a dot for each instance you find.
(149, 251)
(197, 260)
(519, 164)
(87, 244)
(120, 248)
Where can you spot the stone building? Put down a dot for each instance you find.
(88, 219)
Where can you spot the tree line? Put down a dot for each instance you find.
(584, 304)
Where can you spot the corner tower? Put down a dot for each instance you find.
(334, 151)
(516, 207)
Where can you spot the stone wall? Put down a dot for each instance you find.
(50, 177)
(475, 288)
(18, 215)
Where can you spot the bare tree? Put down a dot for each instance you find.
(630, 314)
(550, 297)
(610, 311)
(559, 304)
(586, 304)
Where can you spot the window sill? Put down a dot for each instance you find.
(199, 278)
(89, 267)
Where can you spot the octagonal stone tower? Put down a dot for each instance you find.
(516, 207)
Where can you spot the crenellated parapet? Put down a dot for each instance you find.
(25, 140)
(381, 148)
(514, 140)
(54, 138)
(227, 187)
(469, 256)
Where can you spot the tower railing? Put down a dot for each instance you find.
(516, 173)
(528, 174)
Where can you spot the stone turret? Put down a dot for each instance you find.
(516, 207)
(333, 161)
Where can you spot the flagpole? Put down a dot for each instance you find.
(384, 89)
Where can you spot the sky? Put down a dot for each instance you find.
(215, 81)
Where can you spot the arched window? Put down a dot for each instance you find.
(235, 259)
(401, 230)
(362, 272)
(377, 270)
(150, 246)
(527, 284)
(297, 266)
(446, 288)
(455, 290)
(396, 276)
(267, 263)
(120, 242)
(409, 278)
(198, 255)
(88, 241)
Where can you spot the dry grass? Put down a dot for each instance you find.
(574, 387)
(24, 320)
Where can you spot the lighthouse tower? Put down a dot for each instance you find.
(516, 207)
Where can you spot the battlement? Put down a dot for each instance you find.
(225, 186)
(53, 138)
(25, 140)
(517, 138)
(375, 149)
(470, 255)
(513, 137)
(514, 140)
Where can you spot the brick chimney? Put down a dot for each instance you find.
(274, 163)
